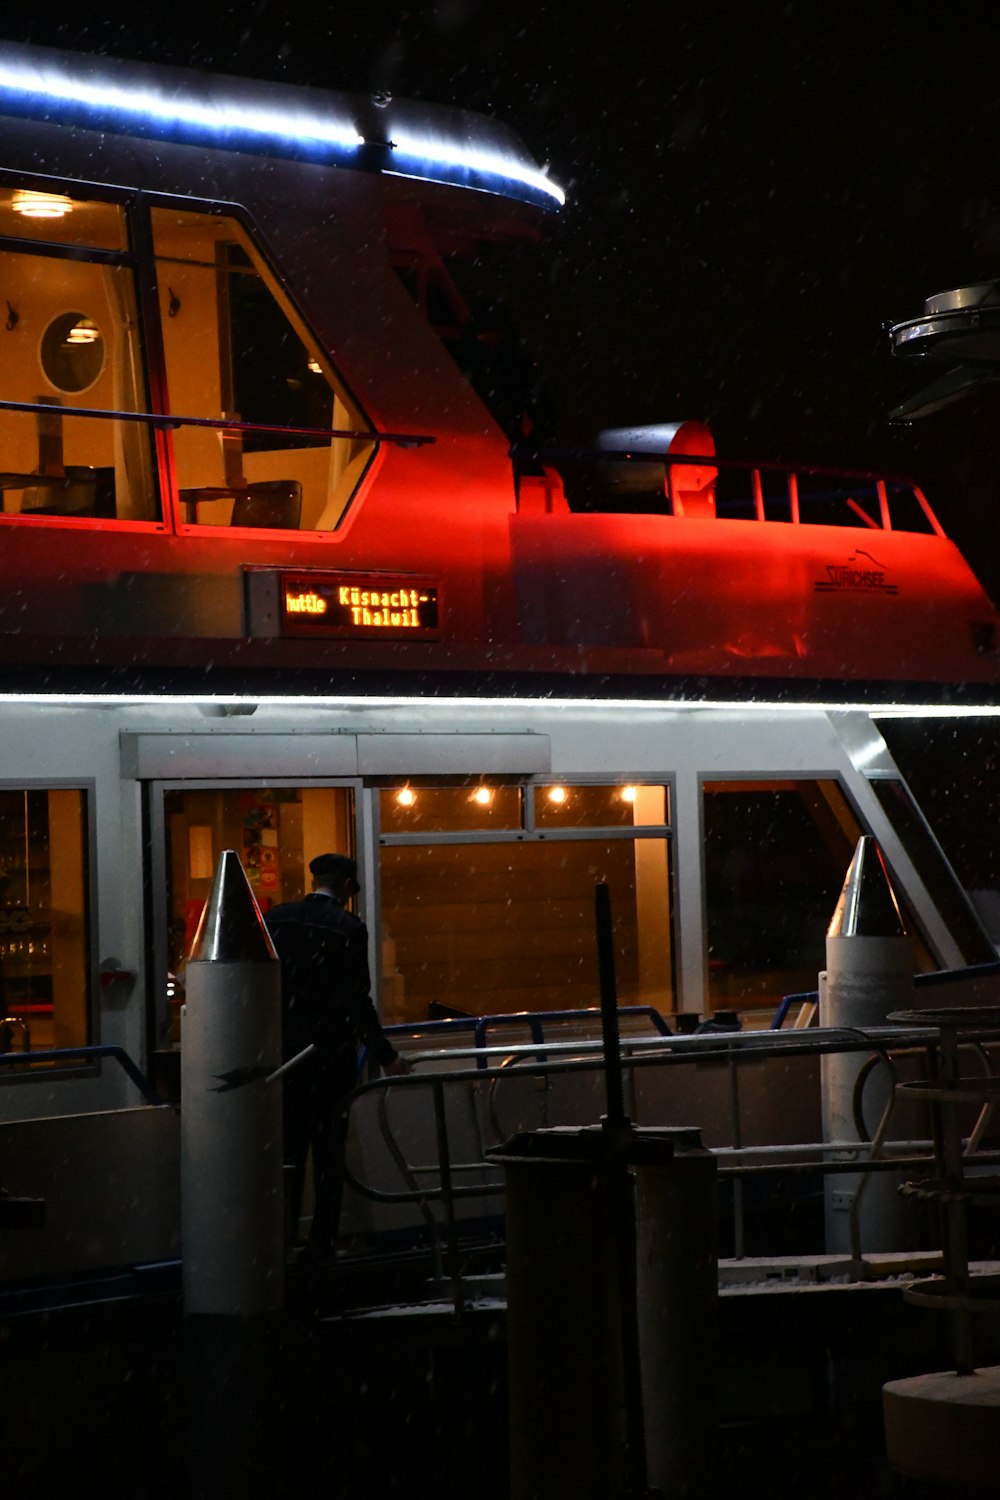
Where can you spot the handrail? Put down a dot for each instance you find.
(797, 503)
(534, 1020)
(722, 1047)
(68, 1054)
(167, 420)
(735, 1162)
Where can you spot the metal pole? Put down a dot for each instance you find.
(444, 1161)
(615, 1121)
(618, 1134)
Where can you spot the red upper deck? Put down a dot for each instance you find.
(241, 441)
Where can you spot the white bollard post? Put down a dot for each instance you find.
(232, 1210)
(869, 972)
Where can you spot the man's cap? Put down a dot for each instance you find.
(334, 867)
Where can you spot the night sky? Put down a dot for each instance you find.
(754, 189)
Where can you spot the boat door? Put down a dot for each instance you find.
(276, 827)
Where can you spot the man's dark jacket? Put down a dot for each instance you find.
(325, 983)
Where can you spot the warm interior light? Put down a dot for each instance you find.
(557, 794)
(315, 366)
(406, 796)
(84, 332)
(40, 205)
(482, 795)
(629, 793)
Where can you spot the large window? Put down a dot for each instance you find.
(69, 338)
(487, 897)
(258, 392)
(44, 928)
(776, 854)
(236, 349)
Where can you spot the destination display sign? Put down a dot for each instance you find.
(358, 604)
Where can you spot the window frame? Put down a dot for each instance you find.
(156, 939)
(26, 1073)
(145, 202)
(138, 256)
(529, 833)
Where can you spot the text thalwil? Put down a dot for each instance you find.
(396, 608)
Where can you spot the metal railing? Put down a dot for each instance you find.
(43, 1058)
(840, 487)
(438, 1183)
(531, 1020)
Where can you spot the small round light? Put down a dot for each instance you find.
(406, 796)
(629, 793)
(557, 794)
(482, 795)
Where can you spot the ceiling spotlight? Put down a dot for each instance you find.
(557, 794)
(483, 795)
(629, 793)
(406, 796)
(40, 205)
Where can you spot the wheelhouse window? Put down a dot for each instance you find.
(237, 350)
(69, 338)
(487, 897)
(44, 927)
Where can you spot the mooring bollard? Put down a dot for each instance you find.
(232, 1214)
(869, 972)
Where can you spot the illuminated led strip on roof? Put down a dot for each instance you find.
(608, 709)
(487, 164)
(221, 118)
(236, 124)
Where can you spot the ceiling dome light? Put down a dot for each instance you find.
(40, 205)
(85, 331)
(629, 793)
(482, 795)
(557, 794)
(406, 796)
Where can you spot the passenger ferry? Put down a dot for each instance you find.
(276, 579)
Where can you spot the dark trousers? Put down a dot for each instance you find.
(314, 1117)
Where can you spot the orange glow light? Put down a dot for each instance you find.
(482, 795)
(406, 796)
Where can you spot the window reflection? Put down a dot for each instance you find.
(624, 806)
(776, 854)
(489, 928)
(44, 937)
(435, 809)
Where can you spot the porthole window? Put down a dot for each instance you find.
(72, 352)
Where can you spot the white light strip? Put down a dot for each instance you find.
(229, 118)
(491, 163)
(610, 706)
(221, 118)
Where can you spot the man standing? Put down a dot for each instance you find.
(326, 1002)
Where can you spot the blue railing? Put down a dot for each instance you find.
(82, 1054)
(930, 981)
